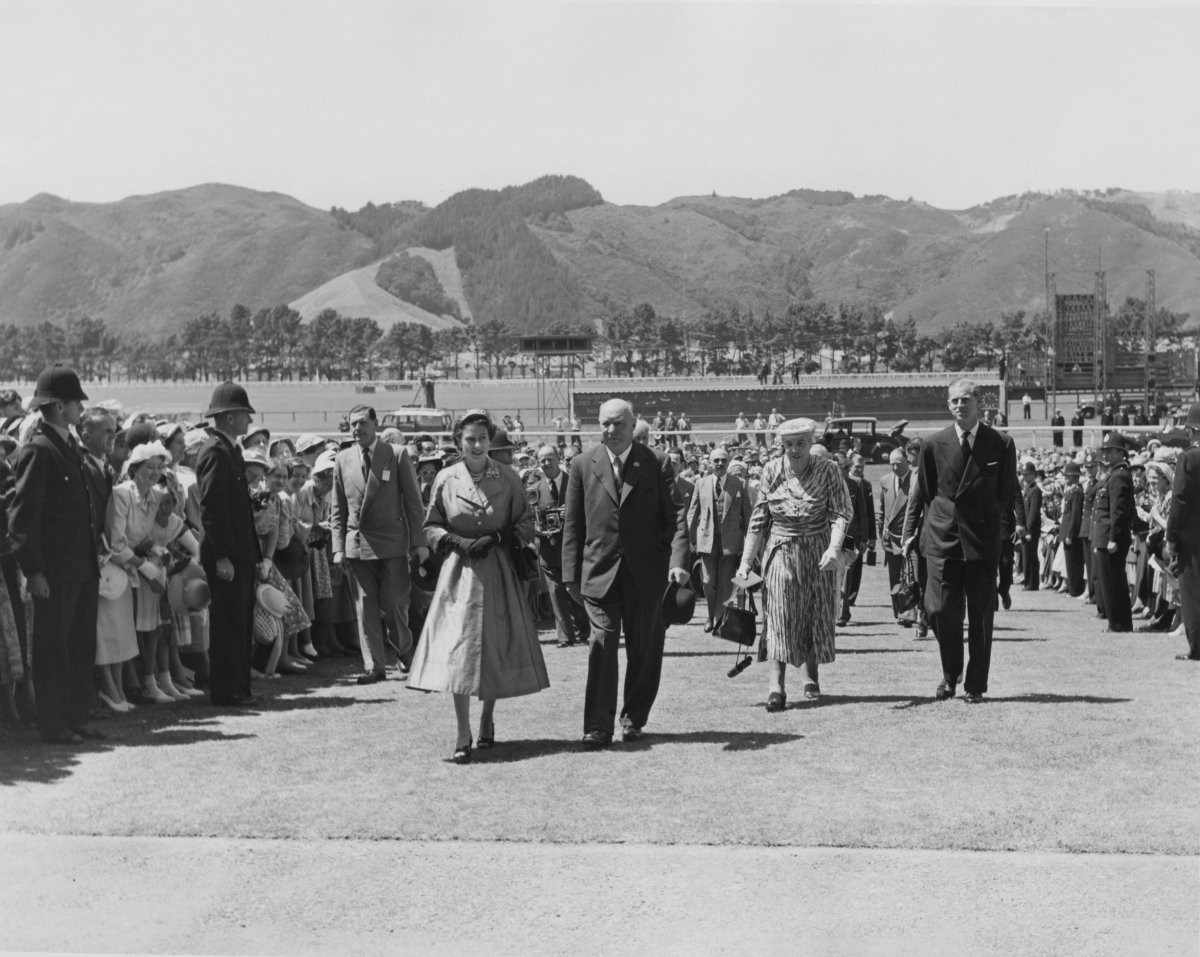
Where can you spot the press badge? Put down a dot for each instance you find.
(386, 475)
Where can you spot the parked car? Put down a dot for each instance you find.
(875, 445)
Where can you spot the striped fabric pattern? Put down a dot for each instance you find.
(799, 602)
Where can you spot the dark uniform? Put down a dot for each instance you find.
(1183, 534)
(1070, 533)
(52, 525)
(1031, 498)
(1085, 532)
(228, 522)
(1112, 522)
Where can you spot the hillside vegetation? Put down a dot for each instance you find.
(552, 255)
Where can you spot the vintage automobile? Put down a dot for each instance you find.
(875, 446)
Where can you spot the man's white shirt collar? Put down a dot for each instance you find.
(974, 431)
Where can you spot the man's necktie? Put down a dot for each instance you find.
(366, 463)
(554, 490)
(966, 447)
(620, 467)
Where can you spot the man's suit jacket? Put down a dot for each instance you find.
(379, 516)
(862, 522)
(100, 485)
(1183, 520)
(1072, 513)
(638, 526)
(1112, 516)
(1031, 498)
(963, 504)
(550, 546)
(52, 522)
(225, 511)
(889, 514)
(735, 515)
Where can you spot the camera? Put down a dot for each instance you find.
(739, 667)
(549, 521)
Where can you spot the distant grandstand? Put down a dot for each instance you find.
(916, 396)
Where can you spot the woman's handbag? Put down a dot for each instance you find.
(524, 559)
(738, 623)
(292, 559)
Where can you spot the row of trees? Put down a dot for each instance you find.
(273, 343)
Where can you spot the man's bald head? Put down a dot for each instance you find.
(616, 425)
(641, 432)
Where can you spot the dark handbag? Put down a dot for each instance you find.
(738, 623)
(292, 559)
(908, 589)
(524, 559)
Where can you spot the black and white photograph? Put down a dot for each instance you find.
(612, 477)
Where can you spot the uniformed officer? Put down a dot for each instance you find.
(53, 525)
(229, 551)
(1112, 533)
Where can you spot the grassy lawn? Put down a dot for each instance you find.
(1086, 743)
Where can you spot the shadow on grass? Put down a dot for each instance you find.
(24, 758)
(901, 701)
(530, 749)
(881, 651)
(1057, 699)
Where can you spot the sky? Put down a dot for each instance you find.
(341, 103)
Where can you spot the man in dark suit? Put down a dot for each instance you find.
(1182, 540)
(229, 551)
(570, 618)
(717, 517)
(889, 519)
(1031, 499)
(966, 480)
(53, 528)
(861, 530)
(1077, 422)
(97, 432)
(1112, 533)
(1091, 466)
(378, 524)
(622, 541)
(1070, 528)
(1057, 423)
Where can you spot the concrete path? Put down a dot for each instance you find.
(218, 896)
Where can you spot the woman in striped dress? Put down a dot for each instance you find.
(798, 525)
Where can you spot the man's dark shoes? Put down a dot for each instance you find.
(922, 631)
(1186, 658)
(776, 701)
(632, 734)
(708, 627)
(945, 690)
(370, 678)
(566, 643)
(971, 698)
(90, 734)
(595, 740)
(843, 622)
(1006, 600)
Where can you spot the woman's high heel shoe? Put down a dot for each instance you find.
(462, 754)
(488, 740)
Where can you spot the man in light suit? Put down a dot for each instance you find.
(966, 481)
(622, 541)
(889, 519)
(378, 524)
(717, 518)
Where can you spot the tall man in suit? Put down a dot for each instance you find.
(889, 520)
(717, 518)
(966, 480)
(1031, 500)
(229, 550)
(377, 523)
(570, 618)
(622, 542)
(1112, 533)
(53, 529)
(1182, 540)
(861, 530)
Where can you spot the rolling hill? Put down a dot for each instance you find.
(553, 253)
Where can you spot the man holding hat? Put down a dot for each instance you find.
(1070, 526)
(229, 551)
(1183, 534)
(1031, 499)
(1112, 533)
(53, 527)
